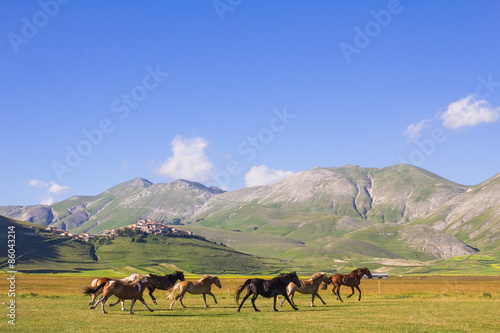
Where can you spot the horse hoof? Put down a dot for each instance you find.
(151, 310)
(296, 309)
(132, 313)
(104, 312)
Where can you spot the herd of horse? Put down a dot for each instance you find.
(286, 285)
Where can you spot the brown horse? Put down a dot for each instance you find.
(310, 286)
(202, 286)
(121, 290)
(351, 280)
(128, 279)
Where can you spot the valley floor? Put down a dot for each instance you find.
(425, 304)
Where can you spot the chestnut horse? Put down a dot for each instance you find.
(202, 286)
(98, 281)
(267, 288)
(121, 290)
(310, 286)
(351, 280)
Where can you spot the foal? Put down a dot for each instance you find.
(121, 290)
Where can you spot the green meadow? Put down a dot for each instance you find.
(420, 304)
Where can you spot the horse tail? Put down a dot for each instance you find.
(90, 290)
(171, 291)
(240, 289)
(94, 283)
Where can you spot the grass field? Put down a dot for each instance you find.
(425, 304)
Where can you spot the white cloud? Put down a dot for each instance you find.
(469, 111)
(51, 188)
(262, 175)
(413, 131)
(57, 189)
(37, 183)
(188, 160)
(46, 201)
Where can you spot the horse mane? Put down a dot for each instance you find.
(315, 276)
(134, 278)
(284, 274)
(207, 277)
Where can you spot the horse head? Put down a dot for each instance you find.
(294, 278)
(217, 282)
(367, 272)
(178, 275)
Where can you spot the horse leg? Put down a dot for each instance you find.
(320, 298)
(359, 290)
(253, 302)
(290, 296)
(243, 301)
(94, 296)
(312, 300)
(215, 300)
(143, 302)
(352, 288)
(205, 300)
(288, 299)
(274, 307)
(131, 306)
(151, 289)
(113, 304)
(338, 293)
(181, 297)
(123, 305)
(101, 300)
(95, 305)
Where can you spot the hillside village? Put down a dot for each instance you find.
(149, 227)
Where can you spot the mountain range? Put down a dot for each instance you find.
(400, 218)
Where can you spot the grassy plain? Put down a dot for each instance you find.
(427, 304)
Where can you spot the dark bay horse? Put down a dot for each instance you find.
(121, 290)
(351, 280)
(267, 288)
(164, 282)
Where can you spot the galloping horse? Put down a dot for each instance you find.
(164, 282)
(351, 280)
(98, 281)
(310, 286)
(202, 286)
(121, 290)
(267, 288)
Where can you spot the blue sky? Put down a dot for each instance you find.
(240, 93)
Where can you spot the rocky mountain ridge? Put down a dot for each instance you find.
(416, 211)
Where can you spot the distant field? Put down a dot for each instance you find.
(431, 304)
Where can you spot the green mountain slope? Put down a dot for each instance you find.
(38, 250)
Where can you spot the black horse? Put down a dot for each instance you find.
(267, 288)
(164, 282)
